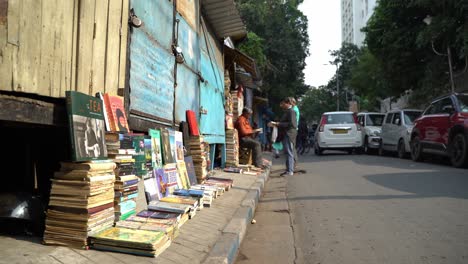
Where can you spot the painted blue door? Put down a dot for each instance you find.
(152, 62)
(212, 90)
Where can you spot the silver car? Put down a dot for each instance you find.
(396, 131)
(372, 124)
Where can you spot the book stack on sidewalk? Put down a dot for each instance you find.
(199, 152)
(131, 241)
(238, 104)
(81, 203)
(232, 148)
(126, 183)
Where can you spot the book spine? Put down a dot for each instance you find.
(70, 121)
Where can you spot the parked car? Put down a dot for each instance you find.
(372, 127)
(396, 131)
(443, 130)
(338, 131)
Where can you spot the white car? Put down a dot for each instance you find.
(372, 124)
(338, 131)
(396, 131)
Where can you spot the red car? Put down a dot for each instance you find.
(443, 130)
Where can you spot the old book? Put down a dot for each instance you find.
(190, 170)
(130, 238)
(180, 200)
(166, 147)
(156, 154)
(86, 126)
(116, 113)
(183, 175)
(192, 122)
(88, 166)
(169, 207)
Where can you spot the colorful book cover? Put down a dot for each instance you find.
(161, 182)
(170, 172)
(139, 156)
(156, 156)
(116, 113)
(179, 146)
(137, 238)
(152, 189)
(182, 171)
(166, 147)
(190, 170)
(148, 148)
(192, 121)
(86, 126)
(172, 144)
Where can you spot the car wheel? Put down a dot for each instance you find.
(416, 149)
(459, 152)
(401, 149)
(318, 150)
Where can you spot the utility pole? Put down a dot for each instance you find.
(337, 89)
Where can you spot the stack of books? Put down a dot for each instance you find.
(200, 153)
(131, 241)
(81, 202)
(125, 195)
(232, 148)
(238, 104)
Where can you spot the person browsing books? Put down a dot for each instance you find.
(288, 126)
(246, 136)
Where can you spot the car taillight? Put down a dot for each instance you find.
(356, 121)
(323, 122)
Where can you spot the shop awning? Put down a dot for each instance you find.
(224, 18)
(242, 60)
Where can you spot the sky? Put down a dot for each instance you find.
(324, 35)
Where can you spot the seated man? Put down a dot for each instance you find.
(246, 137)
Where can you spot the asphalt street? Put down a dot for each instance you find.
(361, 209)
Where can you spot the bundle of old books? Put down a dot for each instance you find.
(250, 169)
(238, 103)
(165, 222)
(131, 241)
(199, 150)
(81, 203)
(232, 148)
(175, 204)
(204, 198)
(220, 182)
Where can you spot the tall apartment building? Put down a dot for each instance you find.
(354, 16)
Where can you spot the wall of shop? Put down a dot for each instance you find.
(50, 46)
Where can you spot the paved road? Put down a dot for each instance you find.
(367, 209)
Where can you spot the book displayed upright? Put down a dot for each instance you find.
(156, 150)
(116, 113)
(86, 126)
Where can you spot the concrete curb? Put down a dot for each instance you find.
(226, 248)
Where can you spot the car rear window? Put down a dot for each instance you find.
(374, 120)
(463, 102)
(340, 119)
(410, 116)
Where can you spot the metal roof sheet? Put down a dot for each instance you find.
(224, 18)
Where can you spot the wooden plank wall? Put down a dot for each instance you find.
(50, 46)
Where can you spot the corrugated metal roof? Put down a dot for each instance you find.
(243, 60)
(224, 18)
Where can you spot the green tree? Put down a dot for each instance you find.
(315, 102)
(283, 30)
(402, 43)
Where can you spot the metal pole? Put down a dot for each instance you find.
(449, 55)
(337, 90)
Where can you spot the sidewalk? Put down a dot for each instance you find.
(212, 236)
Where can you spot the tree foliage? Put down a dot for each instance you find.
(401, 44)
(282, 29)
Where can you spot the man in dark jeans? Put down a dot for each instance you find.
(288, 125)
(246, 137)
